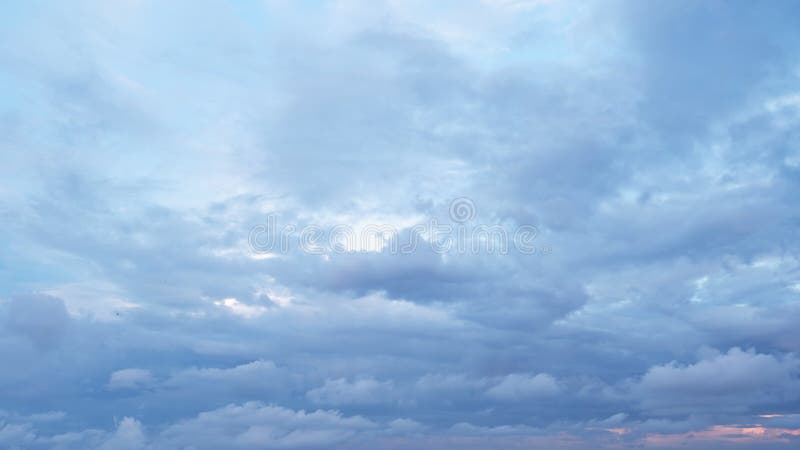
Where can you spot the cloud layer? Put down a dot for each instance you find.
(653, 148)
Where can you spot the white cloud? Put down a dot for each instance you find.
(255, 425)
(241, 309)
(250, 373)
(343, 392)
(524, 386)
(129, 379)
(129, 435)
(99, 300)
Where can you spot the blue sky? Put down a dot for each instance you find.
(653, 146)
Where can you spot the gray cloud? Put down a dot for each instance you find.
(42, 319)
(654, 149)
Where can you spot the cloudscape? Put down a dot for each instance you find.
(418, 225)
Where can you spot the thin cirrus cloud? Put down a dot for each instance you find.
(653, 148)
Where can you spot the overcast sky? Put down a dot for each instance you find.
(652, 149)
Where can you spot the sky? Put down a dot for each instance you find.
(639, 160)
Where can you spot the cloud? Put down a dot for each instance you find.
(523, 386)
(361, 391)
(129, 435)
(129, 379)
(654, 148)
(240, 309)
(42, 319)
(254, 424)
(14, 434)
(735, 381)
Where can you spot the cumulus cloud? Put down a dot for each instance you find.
(343, 392)
(129, 435)
(254, 424)
(735, 381)
(129, 379)
(252, 372)
(524, 386)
